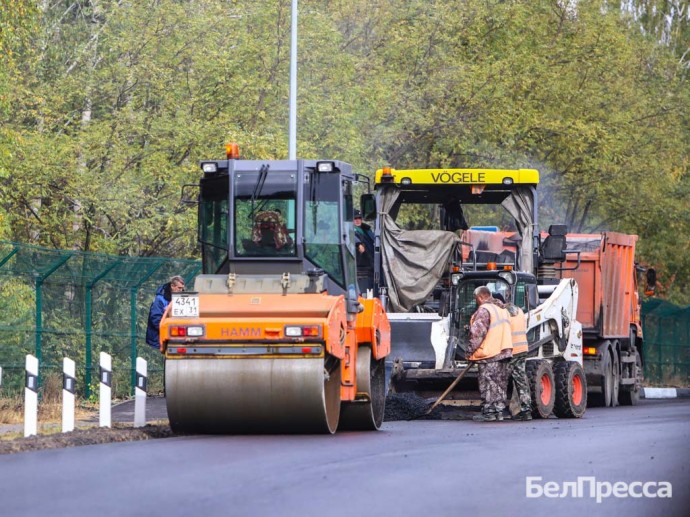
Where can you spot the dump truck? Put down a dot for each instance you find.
(428, 277)
(605, 270)
(274, 337)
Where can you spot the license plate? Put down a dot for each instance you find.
(185, 305)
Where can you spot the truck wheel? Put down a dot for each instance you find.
(542, 387)
(603, 399)
(616, 370)
(571, 390)
(630, 395)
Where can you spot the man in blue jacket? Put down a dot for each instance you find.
(364, 243)
(160, 303)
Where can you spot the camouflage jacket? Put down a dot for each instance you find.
(273, 222)
(479, 329)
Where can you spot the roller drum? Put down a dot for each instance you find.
(258, 395)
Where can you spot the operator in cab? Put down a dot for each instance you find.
(364, 243)
(491, 347)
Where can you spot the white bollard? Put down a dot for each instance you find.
(0, 376)
(31, 397)
(140, 394)
(105, 391)
(69, 385)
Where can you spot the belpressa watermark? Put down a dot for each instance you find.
(588, 486)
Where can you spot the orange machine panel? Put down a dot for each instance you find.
(246, 317)
(371, 319)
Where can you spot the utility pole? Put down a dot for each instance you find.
(292, 146)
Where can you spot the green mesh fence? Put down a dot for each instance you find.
(57, 303)
(666, 330)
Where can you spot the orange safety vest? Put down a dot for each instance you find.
(518, 327)
(498, 337)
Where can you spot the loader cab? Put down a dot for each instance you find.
(278, 216)
(514, 287)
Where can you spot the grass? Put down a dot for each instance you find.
(49, 405)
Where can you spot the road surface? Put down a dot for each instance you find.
(419, 468)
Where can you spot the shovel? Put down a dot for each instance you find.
(448, 390)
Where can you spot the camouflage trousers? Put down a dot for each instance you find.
(518, 376)
(493, 382)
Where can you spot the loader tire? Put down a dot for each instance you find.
(571, 390)
(542, 387)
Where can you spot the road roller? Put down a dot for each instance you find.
(275, 336)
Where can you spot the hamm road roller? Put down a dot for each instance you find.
(275, 336)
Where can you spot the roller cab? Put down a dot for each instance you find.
(275, 336)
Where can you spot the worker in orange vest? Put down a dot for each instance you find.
(491, 347)
(516, 365)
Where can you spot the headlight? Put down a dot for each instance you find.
(325, 166)
(209, 167)
(455, 278)
(508, 276)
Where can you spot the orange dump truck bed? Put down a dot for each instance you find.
(608, 297)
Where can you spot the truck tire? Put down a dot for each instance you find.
(616, 370)
(603, 399)
(571, 390)
(630, 395)
(542, 387)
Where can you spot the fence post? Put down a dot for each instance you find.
(134, 361)
(87, 337)
(39, 307)
(88, 321)
(140, 396)
(39, 318)
(69, 384)
(104, 399)
(31, 396)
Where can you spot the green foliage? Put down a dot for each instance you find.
(16, 320)
(107, 107)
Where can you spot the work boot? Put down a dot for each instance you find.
(523, 415)
(488, 417)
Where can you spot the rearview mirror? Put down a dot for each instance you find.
(651, 282)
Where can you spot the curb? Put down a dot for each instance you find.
(664, 393)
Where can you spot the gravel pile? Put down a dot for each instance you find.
(405, 406)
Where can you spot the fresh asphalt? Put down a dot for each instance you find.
(418, 468)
